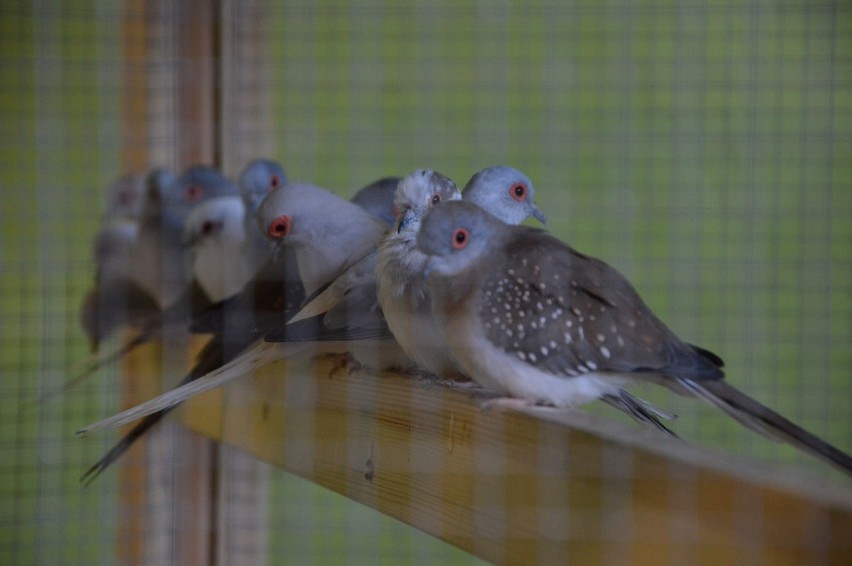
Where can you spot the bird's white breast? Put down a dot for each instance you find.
(506, 373)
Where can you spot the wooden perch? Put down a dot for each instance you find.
(526, 486)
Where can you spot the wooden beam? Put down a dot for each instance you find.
(521, 487)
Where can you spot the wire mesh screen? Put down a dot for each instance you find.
(702, 149)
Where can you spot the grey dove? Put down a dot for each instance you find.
(159, 255)
(527, 316)
(358, 289)
(402, 291)
(257, 179)
(377, 199)
(503, 191)
(114, 299)
(215, 234)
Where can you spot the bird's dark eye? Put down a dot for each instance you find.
(207, 227)
(126, 197)
(280, 227)
(460, 237)
(518, 192)
(192, 193)
(274, 182)
(435, 199)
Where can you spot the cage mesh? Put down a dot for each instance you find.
(703, 149)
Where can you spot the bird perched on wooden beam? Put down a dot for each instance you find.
(528, 316)
(503, 192)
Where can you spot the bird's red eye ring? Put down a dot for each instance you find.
(518, 192)
(280, 227)
(460, 238)
(274, 182)
(192, 193)
(435, 200)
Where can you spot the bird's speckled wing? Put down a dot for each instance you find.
(570, 314)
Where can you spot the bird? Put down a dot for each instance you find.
(257, 179)
(373, 198)
(405, 300)
(114, 299)
(504, 192)
(159, 256)
(323, 233)
(529, 317)
(215, 234)
(377, 199)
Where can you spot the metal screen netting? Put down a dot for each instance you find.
(703, 150)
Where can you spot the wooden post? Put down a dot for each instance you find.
(167, 483)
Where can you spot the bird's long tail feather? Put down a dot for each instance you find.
(210, 362)
(93, 364)
(759, 418)
(245, 364)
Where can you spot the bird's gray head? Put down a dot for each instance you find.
(504, 192)
(420, 191)
(456, 235)
(259, 178)
(195, 185)
(157, 183)
(214, 217)
(325, 231)
(125, 196)
(377, 199)
(293, 213)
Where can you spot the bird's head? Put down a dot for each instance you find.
(504, 192)
(194, 186)
(420, 191)
(377, 199)
(213, 218)
(258, 179)
(458, 236)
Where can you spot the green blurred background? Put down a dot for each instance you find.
(704, 149)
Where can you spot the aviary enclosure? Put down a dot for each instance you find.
(704, 149)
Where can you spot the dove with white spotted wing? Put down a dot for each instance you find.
(403, 295)
(528, 316)
(502, 191)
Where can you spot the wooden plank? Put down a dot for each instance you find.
(521, 487)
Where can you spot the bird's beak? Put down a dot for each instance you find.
(405, 220)
(539, 215)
